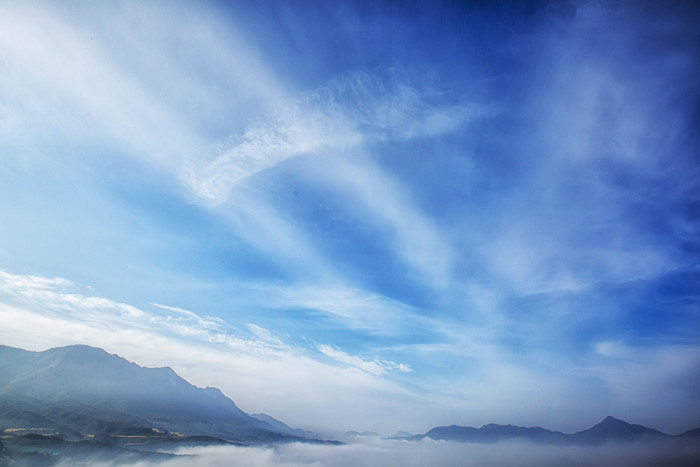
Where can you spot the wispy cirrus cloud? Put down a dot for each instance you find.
(380, 200)
(602, 172)
(349, 308)
(264, 334)
(71, 85)
(109, 77)
(58, 293)
(333, 129)
(126, 91)
(382, 105)
(158, 109)
(62, 300)
(261, 147)
(342, 115)
(127, 94)
(375, 366)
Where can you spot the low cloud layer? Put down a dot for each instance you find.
(385, 453)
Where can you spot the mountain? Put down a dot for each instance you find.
(493, 433)
(609, 430)
(87, 390)
(612, 429)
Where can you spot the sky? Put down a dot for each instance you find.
(363, 215)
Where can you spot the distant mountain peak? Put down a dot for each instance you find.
(610, 423)
(611, 428)
(610, 419)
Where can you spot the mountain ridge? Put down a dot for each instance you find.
(86, 389)
(610, 429)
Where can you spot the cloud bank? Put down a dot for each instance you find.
(397, 453)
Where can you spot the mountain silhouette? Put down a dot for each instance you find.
(613, 429)
(87, 390)
(492, 433)
(609, 429)
(79, 390)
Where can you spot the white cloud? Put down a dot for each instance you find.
(361, 189)
(264, 334)
(121, 77)
(611, 349)
(267, 143)
(192, 319)
(379, 199)
(53, 291)
(349, 307)
(343, 114)
(385, 107)
(375, 366)
(602, 161)
(27, 283)
(70, 83)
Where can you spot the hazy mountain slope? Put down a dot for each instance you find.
(86, 389)
(283, 427)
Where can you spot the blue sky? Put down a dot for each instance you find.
(363, 215)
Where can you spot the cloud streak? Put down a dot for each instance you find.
(340, 116)
(375, 367)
